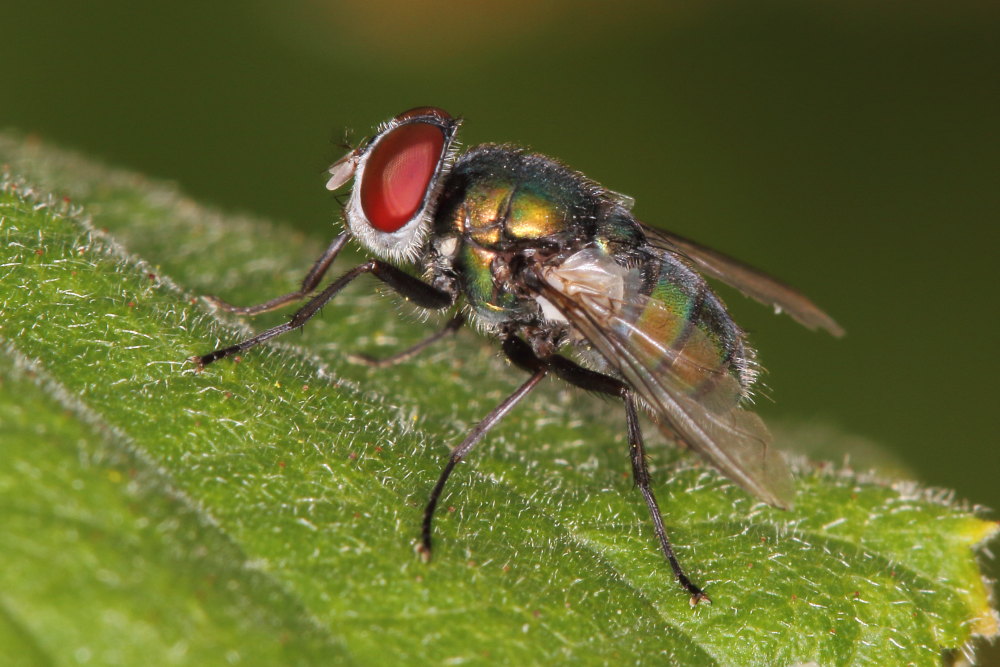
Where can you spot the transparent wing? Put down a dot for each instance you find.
(748, 280)
(697, 399)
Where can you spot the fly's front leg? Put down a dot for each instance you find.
(411, 288)
(309, 283)
(453, 325)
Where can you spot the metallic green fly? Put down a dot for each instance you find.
(559, 270)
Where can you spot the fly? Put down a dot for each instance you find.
(558, 269)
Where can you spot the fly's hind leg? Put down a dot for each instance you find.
(522, 356)
(584, 378)
(640, 471)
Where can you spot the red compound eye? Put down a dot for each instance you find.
(398, 173)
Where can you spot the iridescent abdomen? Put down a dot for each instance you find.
(682, 328)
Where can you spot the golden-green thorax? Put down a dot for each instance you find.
(498, 202)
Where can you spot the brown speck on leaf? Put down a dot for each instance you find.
(471, 563)
(536, 613)
(40, 251)
(281, 464)
(352, 456)
(228, 394)
(451, 508)
(131, 304)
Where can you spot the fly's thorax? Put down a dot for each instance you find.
(499, 204)
(498, 195)
(456, 264)
(504, 213)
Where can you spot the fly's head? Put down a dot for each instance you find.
(398, 176)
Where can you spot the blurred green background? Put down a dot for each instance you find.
(850, 148)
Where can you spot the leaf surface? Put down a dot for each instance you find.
(265, 511)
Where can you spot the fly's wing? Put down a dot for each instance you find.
(687, 388)
(748, 280)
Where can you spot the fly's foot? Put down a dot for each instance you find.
(697, 596)
(423, 549)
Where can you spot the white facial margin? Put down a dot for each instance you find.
(405, 243)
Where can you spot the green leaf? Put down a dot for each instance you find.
(265, 511)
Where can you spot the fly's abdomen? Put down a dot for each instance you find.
(682, 329)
